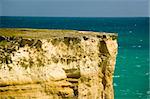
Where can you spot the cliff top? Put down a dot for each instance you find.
(46, 33)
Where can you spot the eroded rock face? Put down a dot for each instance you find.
(77, 66)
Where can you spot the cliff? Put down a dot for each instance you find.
(56, 64)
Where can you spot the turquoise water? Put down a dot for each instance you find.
(131, 79)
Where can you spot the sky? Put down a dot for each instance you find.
(75, 8)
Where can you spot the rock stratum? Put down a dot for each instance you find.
(56, 64)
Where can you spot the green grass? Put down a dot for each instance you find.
(3, 43)
(45, 33)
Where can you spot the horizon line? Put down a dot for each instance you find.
(85, 16)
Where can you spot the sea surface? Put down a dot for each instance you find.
(132, 73)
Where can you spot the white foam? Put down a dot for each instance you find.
(135, 25)
(138, 66)
(148, 92)
(130, 31)
(141, 40)
(136, 57)
(115, 85)
(139, 46)
(147, 73)
(116, 76)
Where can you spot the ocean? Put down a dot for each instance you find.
(132, 73)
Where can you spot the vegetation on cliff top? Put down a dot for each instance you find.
(46, 33)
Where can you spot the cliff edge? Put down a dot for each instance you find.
(56, 64)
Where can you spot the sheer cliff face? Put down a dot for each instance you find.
(55, 64)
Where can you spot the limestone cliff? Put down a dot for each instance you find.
(56, 64)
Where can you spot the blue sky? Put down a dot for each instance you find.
(74, 8)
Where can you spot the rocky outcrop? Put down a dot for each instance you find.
(56, 64)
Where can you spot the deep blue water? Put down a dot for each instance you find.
(131, 80)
